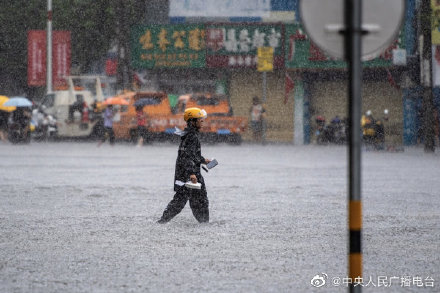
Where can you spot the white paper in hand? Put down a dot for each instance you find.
(191, 185)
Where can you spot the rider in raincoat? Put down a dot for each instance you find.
(189, 159)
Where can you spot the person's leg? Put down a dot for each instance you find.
(2, 134)
(111, 134)
(254, 130)
(140, 136)
(103, 137)
(175, 206)
(199, 203)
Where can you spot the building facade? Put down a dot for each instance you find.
(215, 50)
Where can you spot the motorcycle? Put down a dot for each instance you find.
(19, 127)
(18, 133)
(45, 125)
(334, 133)
(373, 132)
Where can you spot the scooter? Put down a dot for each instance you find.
(334, 133)
(373, 130)
(18, 133)
(45, 126)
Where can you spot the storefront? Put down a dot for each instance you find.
(219, 58)
(222, 58)
(232, 47)
(325, 86)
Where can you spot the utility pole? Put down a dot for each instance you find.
(49, 48)
(426, 78)
(124, 74)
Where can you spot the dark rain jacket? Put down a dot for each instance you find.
(189, 157)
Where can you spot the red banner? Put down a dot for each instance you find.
(61, 52)
(111, 67)
(288, 86)
(60, 57)
(36, 58)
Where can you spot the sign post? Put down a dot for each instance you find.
(354, 30)
(265, 64)
(265, 59)
(353, 36)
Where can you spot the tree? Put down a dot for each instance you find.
(17, 17)
(92, 23)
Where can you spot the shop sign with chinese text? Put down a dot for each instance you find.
(265, 59)
(303, 54)
(235, 45)
(168, 46)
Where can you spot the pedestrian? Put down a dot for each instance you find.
(77, 106)
(109, 114)
(141, 118)
(258, 115)
(368, 124)
(20, 125)
(4, 125)
(189, 159)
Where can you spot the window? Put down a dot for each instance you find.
(48, 101)
(79, 98)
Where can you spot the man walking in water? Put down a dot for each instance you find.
(188, 163)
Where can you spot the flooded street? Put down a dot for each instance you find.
(77, 218)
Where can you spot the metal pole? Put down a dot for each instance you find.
(263, 138)
(264, 87)
(353, 21)
(49, 48)
(428, 104)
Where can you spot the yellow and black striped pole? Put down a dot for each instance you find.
(353, 34)
(355, 256)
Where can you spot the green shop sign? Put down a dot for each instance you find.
(168, 46)
(303, 54)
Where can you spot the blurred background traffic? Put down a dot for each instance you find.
(164, 56)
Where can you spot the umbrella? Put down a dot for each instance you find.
(4, 99)
(115, 101)
(145, 101)
(18, 102)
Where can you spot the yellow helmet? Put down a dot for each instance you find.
(194, 113)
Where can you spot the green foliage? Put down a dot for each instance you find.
(17, 17)
(93, 25)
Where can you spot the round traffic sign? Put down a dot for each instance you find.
(324, 24)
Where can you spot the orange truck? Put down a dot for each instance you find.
(162, 119)
(221, 124)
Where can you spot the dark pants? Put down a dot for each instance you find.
(108, 132)
(142, 132)
(198, 201)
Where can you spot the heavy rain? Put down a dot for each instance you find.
(114, 113)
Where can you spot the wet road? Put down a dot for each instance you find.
(77, 218)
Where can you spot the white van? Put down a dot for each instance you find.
(75, 107)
